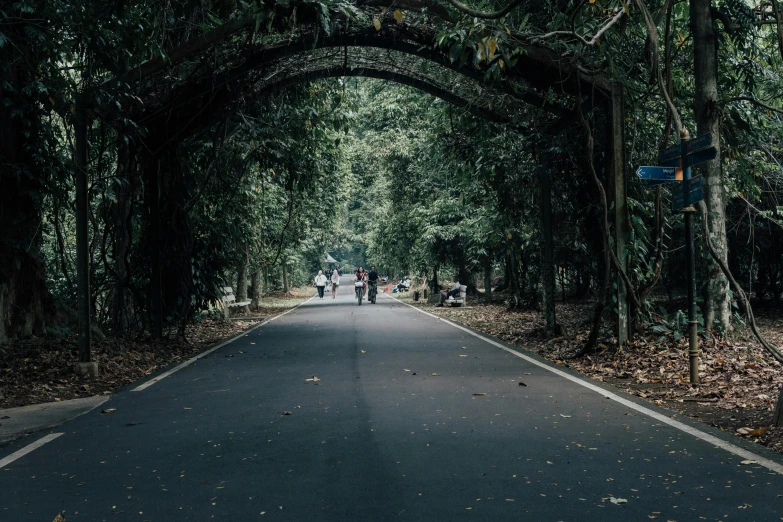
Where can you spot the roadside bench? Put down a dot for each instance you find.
(230, 300)
(462, 298)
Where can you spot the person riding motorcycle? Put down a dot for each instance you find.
(372, 278)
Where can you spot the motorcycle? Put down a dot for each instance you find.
(359, 287)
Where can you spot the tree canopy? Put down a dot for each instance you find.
(235, 143)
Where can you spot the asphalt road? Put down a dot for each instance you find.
(410, 419)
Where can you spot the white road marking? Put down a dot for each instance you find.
(706, 437)
(27, 449)
(204, 354)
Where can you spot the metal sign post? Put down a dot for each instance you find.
(676, 163)
(690, 262)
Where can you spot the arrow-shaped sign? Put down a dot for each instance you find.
(688, 193)
(672, 153)
(664, 174)
(702, 142)
(693, 159)
(669, 155)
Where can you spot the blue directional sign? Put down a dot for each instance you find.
(688, 193)
(694, 158)
(672, 154)
(702, 142)
(662, 174)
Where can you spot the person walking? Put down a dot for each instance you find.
(335, 282)
(320, 283)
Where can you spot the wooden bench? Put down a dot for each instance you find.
(462, 298)
(230, 300)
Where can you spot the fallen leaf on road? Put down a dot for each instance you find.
(312, 379)
(405, 370)
(435, 375)
(108, 410)
(462, 355)
(618, 500)
(747, 462)
(565, 416)
(744, 431)
(286, 413)
(759, 432)
(522, 383)
(59, 518)
(364, 351)
(479, 393)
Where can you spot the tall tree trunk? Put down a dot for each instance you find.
(547, 255)
(707, 106)
(241, 291)
(152, 198)
(285, 278)
(121, 299)
(255, 287)
(621, 220)
(26, 305)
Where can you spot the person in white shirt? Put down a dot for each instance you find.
(320, 283)
(335, 282)
(450, 294)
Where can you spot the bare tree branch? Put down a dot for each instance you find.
(596, 37)
(482, 14)
(653, 34)
(755, 101)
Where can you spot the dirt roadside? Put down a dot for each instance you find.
(40, 370)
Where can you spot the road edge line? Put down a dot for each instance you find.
(695, 432)
(190, 361)
(28, 449)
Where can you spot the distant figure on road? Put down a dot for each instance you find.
(449, 295)
(361, 275)
(320, 283)
(335, 282)
(372, 276)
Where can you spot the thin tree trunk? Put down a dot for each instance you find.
(547, 255)
(285, 278)
(241, 291)
(705, 60)
(121, 299)
(488, 280)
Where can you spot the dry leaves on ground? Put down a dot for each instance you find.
(40, 370)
